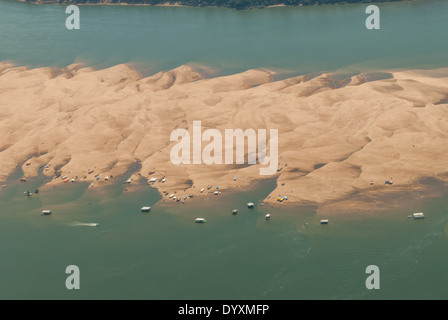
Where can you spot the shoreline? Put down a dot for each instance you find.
(367, 203)
(93, 141)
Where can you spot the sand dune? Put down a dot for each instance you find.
(332, 141)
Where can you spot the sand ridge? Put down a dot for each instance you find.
(332, 141)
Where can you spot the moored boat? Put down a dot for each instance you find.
(418, 216)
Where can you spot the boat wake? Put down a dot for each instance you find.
(82, 224)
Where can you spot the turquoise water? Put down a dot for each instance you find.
(298, 40)
(164, 254)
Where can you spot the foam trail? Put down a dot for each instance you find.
(82, 224)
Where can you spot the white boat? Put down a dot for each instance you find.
(250, 205)
(418, 215)
(129, 181)
(171, 195)
(152, 180)
(163, 180)
(64, 177)
(267, 217)
(200, 220)
(216, 193)
(202, 190)
(107, 178)
(324, 221)
(46, 212)
(146, 209)
(235, 211)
